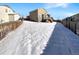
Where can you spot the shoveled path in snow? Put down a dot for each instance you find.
(29, 38)
(62, 42)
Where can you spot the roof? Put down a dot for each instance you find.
(38, 9)
(8, 7)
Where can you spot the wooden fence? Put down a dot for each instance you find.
(72, 25)
(7, 27)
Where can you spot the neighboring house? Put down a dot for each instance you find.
(40, 15)
(7, 14)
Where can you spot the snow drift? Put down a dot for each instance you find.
(30, 39)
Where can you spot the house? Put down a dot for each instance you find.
(7, 14)
(40, 15)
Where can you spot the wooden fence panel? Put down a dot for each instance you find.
(7, 27)
(77, 28)
(73, 26)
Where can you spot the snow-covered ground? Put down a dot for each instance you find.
(62, 42)
(30, 39)
(34, 38)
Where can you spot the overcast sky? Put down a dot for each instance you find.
(56, 10)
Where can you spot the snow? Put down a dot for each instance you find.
(35, 38)
(28, 39)
(62, 42)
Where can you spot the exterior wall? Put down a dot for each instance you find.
(44, 17)
(4, 18)
(41, 13)
(39, 17)
(16, 17)
(11, 17)
(5, 12)
(34, 15)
